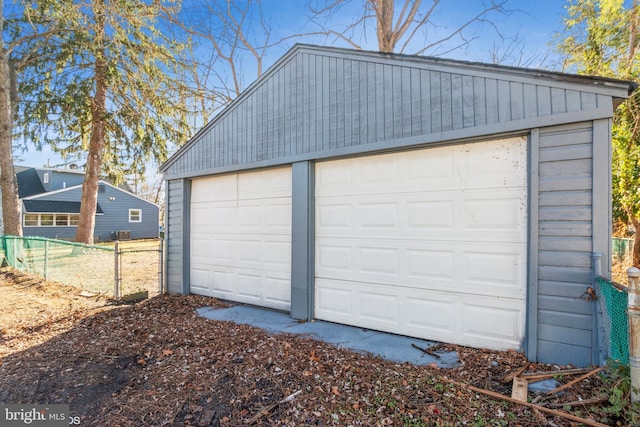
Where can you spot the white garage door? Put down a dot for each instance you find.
(429, 243)
(241, 237)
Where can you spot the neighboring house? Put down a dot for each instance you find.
(51, 207)
(445, 200)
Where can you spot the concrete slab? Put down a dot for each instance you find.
(388, 346)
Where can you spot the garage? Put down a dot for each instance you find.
(241, 237)
(445, 200)
(428, 243)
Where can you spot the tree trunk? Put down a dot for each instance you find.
(636, 240)
(384, 15)
(89, 201)
(8, 187)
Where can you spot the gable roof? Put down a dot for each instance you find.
(76, 187)
(317, 98)
(54, 206)
(29, 183)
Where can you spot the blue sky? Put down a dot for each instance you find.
(533, 21)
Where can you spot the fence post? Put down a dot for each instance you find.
(46, 260)
(633, 307)
(160, 268)
(116, 271)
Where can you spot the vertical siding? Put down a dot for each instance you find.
(564, 327)
(316, 103)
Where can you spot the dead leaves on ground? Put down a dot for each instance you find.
(164, 365)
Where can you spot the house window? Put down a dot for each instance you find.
(135, 215)
(50, 220)
(31, 220)
(46, 220)
(46, 178)
(62, 220)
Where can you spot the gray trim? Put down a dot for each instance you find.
(186, 236)
(531, 346)
(302, 240)
(420, 141)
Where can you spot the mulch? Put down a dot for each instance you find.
(157, 363)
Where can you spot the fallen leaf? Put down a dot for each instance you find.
(334, 390)
(313, 356)
(167, 352)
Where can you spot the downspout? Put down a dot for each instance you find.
(599, 353)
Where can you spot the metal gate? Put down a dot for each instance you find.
(138, 271)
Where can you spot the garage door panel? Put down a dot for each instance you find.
(277, 216)
(436, 167)
(279, 255)
(440, 169)
(378, 307)
(248, 287)
(200, 278)
(333, 257)
(215, 189)
(333, 300)
(495, 215)
(430, 264)
(430, 215)
(458, 319)
(442, 314)
(332, 216)
(492, 321)
(437, 239)
(477, 215)
(377, 215)
(479, 268)
(265, 184)
(385, 261)
(241, 241)
(501, 270)
(493, 165)
(279, 290)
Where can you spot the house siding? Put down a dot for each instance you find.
(399, 103)
(565, 232)
(175, 219)
(60, 180)
(115, 216)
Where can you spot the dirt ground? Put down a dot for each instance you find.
(157, 363)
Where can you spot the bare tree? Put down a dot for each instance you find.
(228, 42)
(404, 27)
(513, 51)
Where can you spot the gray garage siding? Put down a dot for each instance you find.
(565, 235)
(318, 103)
(176, 233)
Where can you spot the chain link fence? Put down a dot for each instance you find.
(119, 270)
(613, 302)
